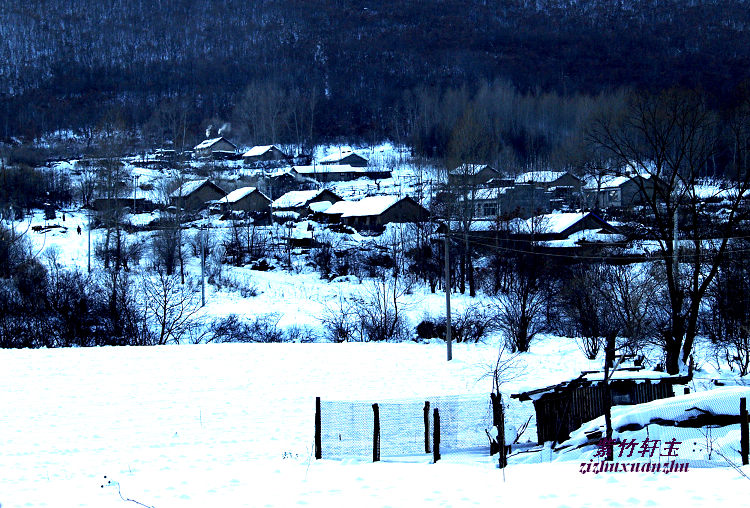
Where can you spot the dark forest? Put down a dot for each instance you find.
(307, 71)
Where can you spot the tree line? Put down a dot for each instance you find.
(351, 67)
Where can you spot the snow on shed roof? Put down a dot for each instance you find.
(540, 176)
(188, 188)
(259, 150)
(295, 199)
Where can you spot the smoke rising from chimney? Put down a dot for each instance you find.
(208, 131)
(225, 129)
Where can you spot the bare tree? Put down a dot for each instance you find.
(171, 306)
(672, 139)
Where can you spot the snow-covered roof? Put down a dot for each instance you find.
(540, 176)
(258, 150)
(372, 205)
(188, 188)
(295, 199)
(610, 181)
(637, 375)
(330, 168)
(487, 194)
(208, 143)
(338, 156)
(550, 223)
(320, 206)
(238, 194)
(468, 169)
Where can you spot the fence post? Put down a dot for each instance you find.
(318, 447)
(744, 444)
(498, 421)
(376, 434)
(436, 435)
(427, 426)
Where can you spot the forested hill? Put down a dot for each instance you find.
(73, 64)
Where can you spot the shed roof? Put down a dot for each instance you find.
(470, 169)
(634, 374)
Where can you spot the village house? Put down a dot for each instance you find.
(299, 201)
(194, 194)
(618, 191)
(336, 173)
(551, 179)
(265, 153)
(376, 211)
(219, 146)
(245, 199)
(346, 157)
(519, 201)
(471, 175)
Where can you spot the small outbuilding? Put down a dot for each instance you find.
(564, 407)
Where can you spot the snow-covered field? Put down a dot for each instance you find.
(232, 425)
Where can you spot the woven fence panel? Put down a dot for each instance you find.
(347, 426)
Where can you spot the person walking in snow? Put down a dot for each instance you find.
(79, 229)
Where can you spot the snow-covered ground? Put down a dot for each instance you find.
(232, 425)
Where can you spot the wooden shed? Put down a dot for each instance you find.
(562, 408)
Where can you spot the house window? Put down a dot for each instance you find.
(489, 209)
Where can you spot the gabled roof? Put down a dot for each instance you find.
(611, 181)
(555, 223)
(335, 157)
(188, 188)
(471, 169)
(541, 176)
(366, 207)
(240, 193)
(259, 150)
(208, 143)
(329, 168)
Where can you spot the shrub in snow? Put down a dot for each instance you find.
(262, 328)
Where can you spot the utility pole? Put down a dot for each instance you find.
(89, 234)
(203, 266)
(448, 293)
